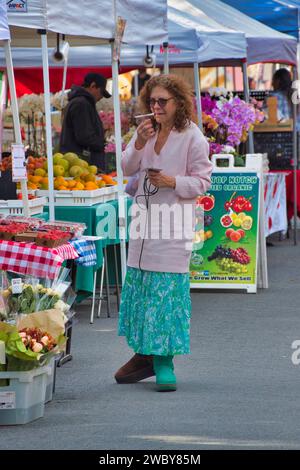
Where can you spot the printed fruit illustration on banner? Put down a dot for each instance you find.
(231, 260)
(202, 236)
(239, 203)
(226, 220)
(207, 201)
(247, 223)
(208, 220)
(228, 252)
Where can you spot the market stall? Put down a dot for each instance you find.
(84, 24)
(36, 299)
(284, 17)
(5, 41)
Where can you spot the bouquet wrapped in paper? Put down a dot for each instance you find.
(31, 295)
(33, 341)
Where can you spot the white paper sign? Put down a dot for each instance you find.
(18, 162)
(119, 32)
(17, 286)
(7, 400)
(2, 353)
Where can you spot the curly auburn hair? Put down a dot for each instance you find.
(181, 92)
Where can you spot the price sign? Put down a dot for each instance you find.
(18, 162)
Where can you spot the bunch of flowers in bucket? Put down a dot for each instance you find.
(31, 104)
(227, 120)
(32, 342)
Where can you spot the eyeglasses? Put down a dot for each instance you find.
(162, 102)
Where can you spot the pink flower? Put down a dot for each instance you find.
(37, 347)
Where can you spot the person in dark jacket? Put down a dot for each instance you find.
(82, 130)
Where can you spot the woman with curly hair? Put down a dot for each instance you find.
(156, 306)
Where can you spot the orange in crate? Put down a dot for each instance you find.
(108, 179)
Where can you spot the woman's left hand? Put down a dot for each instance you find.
(160, 180)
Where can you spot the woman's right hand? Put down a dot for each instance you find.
(144, 132)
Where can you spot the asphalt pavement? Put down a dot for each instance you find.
(237, 390)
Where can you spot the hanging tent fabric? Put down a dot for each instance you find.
(87, 23)
(90, 20)
(4, 29)
(223, 44)
(207, 36)
(183, 46)
(277, 47)
(190, 41)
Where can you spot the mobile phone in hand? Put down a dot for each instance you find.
(142, 117)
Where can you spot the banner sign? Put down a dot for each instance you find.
(17, 6)
(226, 244)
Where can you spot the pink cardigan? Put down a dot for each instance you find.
(168, 238)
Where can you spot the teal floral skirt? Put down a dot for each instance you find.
(155, 312)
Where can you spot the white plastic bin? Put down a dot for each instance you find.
(15, 207)
(23, 400)
(84, 197)
(50, 380)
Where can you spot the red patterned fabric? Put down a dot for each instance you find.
(33, 260)
(275, 203)
(290, 192)
(30, 80)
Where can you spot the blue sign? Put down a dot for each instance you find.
(17, 6)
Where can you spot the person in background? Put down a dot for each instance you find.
(143, 77)
(82, 129)
(282, 86)
(252, 83)
(170, 156)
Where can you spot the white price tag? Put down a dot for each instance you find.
(18, 162)
(91, 238)
(17, 286)
(2, 353)
(7, 400)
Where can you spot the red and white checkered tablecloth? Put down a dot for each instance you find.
(33, 260)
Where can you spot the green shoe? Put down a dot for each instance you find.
(164, 370)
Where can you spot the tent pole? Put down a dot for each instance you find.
(295, 160)
(136, 84)
(198, 94)
(43, 34)
(247, 99)
(63, 88)
(118, 140)
(166, 57)
(15, 112)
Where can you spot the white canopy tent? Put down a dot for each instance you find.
(191, 42)
(264, 44)
(184, 47)
(91, 23)
(93, 20)
(183, 42)
(5, 39)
